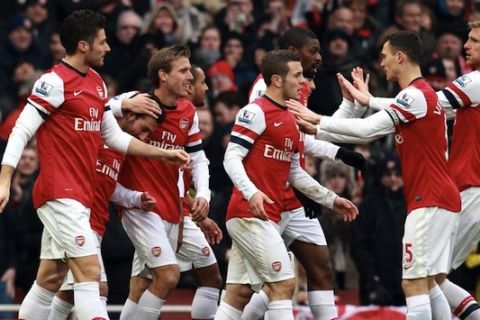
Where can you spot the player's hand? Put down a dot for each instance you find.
(256, 205)
(302, 112)
(4, 196)
(199, 209)
(345, 93)
(312, 209)
(142, 103)
(359, 81)
(9, 279)
(307, 127)
(177, 157)
(345, 208)
(354, 92)
(353, 159)
(211, 230)
(147, 202)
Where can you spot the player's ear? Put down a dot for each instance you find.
(82, 46)
(162, 75)
(277, 80)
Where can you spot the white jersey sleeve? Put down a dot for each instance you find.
(378, 104)
(126, 198)
(303, 182)
(372, 127)
(113, 136)
(462, 92)
(115, 103)
(47, 93)
(348, 109)
(409, 105)
(319, 149)
(249, 124)
(258, 89)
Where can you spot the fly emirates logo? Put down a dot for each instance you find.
(168, 141)
(89, 125)
(278, 154)
(112, 171)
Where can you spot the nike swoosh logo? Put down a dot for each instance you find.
(76, 93)
(276, 124)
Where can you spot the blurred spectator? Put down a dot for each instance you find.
(57, 51)
(163, 22)
(408, 16)
(191, 20)
(279, 21)
(440, 72)
(226, 107)
(449, 45)
(243, 69)
(124, 43)
(205, 124)
(342, 18)
(221, 77)
(18, 46)
(376, 240)
(208, 50)
(43, 24)
(237, 17)
(338, 177)
(452, 14)
(28, 227)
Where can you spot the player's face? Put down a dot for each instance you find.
(388, 61)
(311, 85)
(179, 79)
(140, 126)
(97, 50)
(472, 48)
(310, 54)
(199, 89)
(293, 80)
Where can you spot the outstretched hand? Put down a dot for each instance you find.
(302, 112)
(361, 97)
(359, 81)
(307, 127)
(347, 209)
(211, 230)
(177, 157)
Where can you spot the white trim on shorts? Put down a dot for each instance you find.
(66, 230)
(428, 242)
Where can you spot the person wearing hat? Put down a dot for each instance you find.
(43, 23)
(376, 237)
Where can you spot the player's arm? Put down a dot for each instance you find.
(303, 182)
(121, 141)
(249, 124)
(47, 95)
(200, 174)
(462, 92)
(127, 198)
(136, 102)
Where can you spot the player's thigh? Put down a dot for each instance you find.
(296, 226)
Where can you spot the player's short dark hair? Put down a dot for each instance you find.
(231, 99)
(276, 62)
(81, 25)
(296, 37)
(409, 43)
(162, 60)
(195, 73)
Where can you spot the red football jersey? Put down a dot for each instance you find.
(270, 132)
(421, 141)
(257, 90)
(463, 94)
(109, 164)
(178, 131)
(73, 104)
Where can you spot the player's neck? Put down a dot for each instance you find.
(165, 97)
(77, 62)
(408, 74)
(275, 95)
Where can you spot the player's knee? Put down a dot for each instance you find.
(103, 289)
(90, 272)
(282, 290)
(53, 281)
(211, 280)
(166, 277)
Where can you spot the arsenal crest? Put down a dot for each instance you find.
(184, 124)
(100, 91)
(80, 240)
(156, 251)
(276, 266)
(206, 251)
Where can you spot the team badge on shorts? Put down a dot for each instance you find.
(156, 251)
(276, 266)
(80, 240)
(206, 251)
